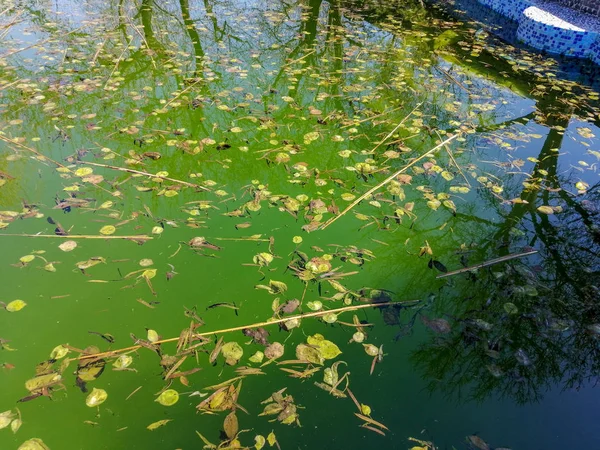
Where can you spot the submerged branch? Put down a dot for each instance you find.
(141, 237)
(139, 172)
(488, 263)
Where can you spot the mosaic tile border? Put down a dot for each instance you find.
(533, 30)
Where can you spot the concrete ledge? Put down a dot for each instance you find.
(556, 31)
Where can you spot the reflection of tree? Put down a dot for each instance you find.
(517, 331)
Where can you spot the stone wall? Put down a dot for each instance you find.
(587, 6)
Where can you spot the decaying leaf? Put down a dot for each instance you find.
(158, 424)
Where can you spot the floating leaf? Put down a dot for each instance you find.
(168, 397)
(15, 425)
(327, 349)
(96, 397)
(230, 425)
(83, 171)
(365, 409)
(59, 352)
(297, 239)
(68, 246)
(330, 318)
(232, 352)
(33, 444)
(149, 274)
(263, 259)
(546, 209)
(146, 262)
(511, 308)
(107, 230)
(257, 357)
(26, 259)
(275, 350)
(359, 337)
(260, 442)
(6, 418)
(271, 439)
(123, 361)
(307, 353)
(371, 349)
(160, 423)
(15, 305)
(153, 335)
(315, 306)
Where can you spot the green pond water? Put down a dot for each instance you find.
(251, 126)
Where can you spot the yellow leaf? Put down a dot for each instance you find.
(68, 246)
(271, 439)
(168, 397)
(152, 335)
(327, 349)
(546, 210)
(96, 397)
(149, 273)
(107, 230)
(259, 442)
(15, 305)
(33, 444)
(26, 259)
(160, 423)
(59, 352)
(83, 171)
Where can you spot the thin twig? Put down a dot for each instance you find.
(488, 263)
(139, 172)
(2, 138)
(299, 59)
(182, 92)
(353, 124)
(143, 39)
(117, 63)
(386, 181)
(254, 325)
(141, 237)
(391, 133)
(253, 239)
(453, 160)
(19, 50)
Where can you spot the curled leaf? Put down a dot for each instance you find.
(96, 397)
